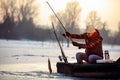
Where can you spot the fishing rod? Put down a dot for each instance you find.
(63, 55)
(58, 19)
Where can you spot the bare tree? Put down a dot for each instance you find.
(8, 8)
(28, 12)
(117, 36)
(105, 33)
(93, 19)
(28, 9)
(18, 10)
(18, 15)
(70, 17)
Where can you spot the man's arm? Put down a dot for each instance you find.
(91, 44)
(76, 36)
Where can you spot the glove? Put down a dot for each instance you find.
(80, 46)
(63, 35)
(75, 43)
(68, 34)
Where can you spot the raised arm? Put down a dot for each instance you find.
(76, 36)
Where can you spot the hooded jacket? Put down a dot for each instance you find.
(93, 44)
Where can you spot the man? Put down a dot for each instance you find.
(92, 46)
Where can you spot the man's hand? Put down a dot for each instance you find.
(63, 35)
(68, 34)
(75, 43)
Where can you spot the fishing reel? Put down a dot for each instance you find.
(63, 58)
(60, 58)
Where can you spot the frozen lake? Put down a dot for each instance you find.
(23, 60)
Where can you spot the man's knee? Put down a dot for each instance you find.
(79, 55)
(93, 58)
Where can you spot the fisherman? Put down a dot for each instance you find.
(92, 46)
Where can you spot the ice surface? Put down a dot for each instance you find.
(27, 60)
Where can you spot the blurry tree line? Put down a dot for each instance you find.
(18, 17)
(17, 20)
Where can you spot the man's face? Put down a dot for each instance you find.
(90, 29)
(90, 34)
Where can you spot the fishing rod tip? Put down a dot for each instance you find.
(46, 1)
